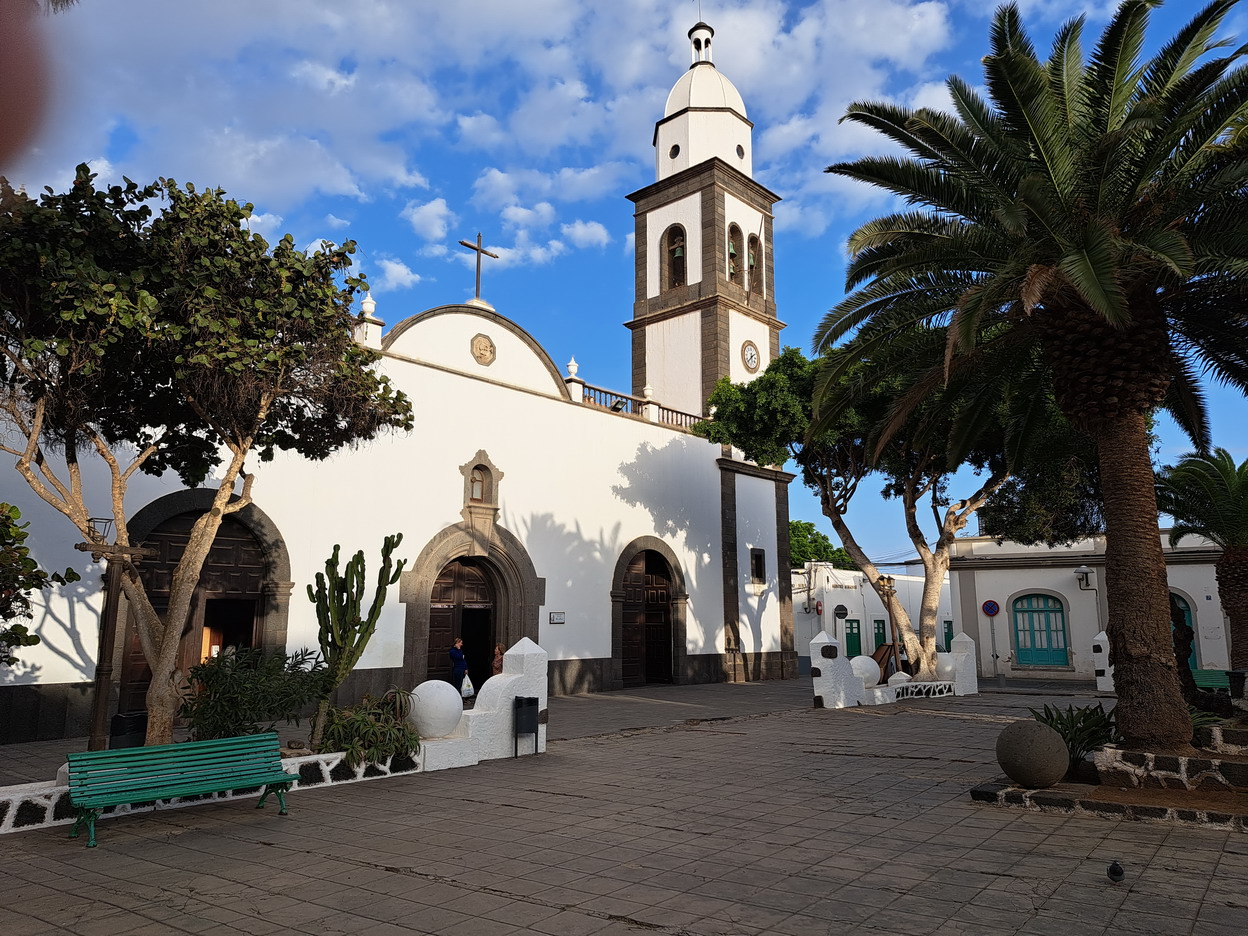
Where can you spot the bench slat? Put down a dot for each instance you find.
(168, 791)
(164, 766)
(140, 783)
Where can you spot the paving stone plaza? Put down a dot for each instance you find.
(708, 810)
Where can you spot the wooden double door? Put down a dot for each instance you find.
(647, 627)
(462, 605)
(226, 608)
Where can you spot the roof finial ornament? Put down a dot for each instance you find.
(700, 38)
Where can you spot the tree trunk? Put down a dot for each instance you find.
(1151, 712)
(1232, 575)
(935, 565)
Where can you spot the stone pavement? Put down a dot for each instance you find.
(798, 821)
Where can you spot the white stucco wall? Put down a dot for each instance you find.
(756, 529)
(578, 485)
(740, 329)
(1051, 572)
(446, 340)
(848, 588)
(673, 368)
(702, 135)
(686, 212)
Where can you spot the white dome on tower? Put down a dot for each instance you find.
(704, 117)
(703, 85)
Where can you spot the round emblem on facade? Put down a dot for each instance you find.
(991, 608)
(483, 350)
(750, 357)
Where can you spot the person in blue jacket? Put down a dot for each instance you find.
(459, 665)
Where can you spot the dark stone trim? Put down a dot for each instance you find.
(46, 711)
(518, 589)
(754, 471)
(490, 316)
(730, 177)
(681, 301)
(613, 674)
(734, 667)
(784, 577)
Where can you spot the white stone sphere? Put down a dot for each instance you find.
(946, 667)
(436, 708)
(867, 669)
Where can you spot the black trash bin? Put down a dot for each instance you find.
(526, 721)
(128, 729)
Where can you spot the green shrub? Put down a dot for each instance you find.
(1083, 729)
(1203, 719)
(247, 691)
(372, 731)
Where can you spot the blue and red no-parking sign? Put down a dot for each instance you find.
(991, 608)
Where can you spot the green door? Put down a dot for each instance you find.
(1187, 616)
(853, 638)
(881, 636)
(948, 636)
(1040, 631)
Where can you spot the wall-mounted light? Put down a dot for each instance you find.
(1083, 573)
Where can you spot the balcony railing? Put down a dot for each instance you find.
(628, 405)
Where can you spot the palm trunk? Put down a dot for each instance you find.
(1232, 574)
(1151, 712)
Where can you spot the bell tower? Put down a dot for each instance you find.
(705, 285)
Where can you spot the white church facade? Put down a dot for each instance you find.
(531, 504)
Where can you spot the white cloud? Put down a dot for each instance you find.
(322, 77)
(395, 274)
(266, 224)
(539, 216)
(481, 131)
(586, 233)
(630, 243)
(430, 220)
(335, 222)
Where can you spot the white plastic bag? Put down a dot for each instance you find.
(466, 689)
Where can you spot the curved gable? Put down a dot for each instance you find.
(477, 342)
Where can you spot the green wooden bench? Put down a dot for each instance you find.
(1211, 679)
(98, 779)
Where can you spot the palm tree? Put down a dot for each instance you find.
(1091, 216)
(1207, 495)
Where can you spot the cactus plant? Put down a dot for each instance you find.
(344, 628)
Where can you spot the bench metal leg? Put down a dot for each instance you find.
(86, 817)
(278, 790)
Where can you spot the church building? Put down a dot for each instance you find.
(531, 503)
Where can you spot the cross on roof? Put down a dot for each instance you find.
(479, 251)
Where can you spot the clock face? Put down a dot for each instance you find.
(749, 356)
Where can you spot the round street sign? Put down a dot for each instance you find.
(991, 608)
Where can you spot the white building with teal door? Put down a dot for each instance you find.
(1033, 610)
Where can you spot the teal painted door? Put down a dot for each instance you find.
(1040, 631)
(853, 638)
(948, 636)
(881, 637)
(1187, 616)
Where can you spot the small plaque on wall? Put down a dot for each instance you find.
(556, 617)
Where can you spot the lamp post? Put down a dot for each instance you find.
(116, 556)
(888, 590)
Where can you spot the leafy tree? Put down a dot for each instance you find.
(345, 629)
(808, 544)
(1089, 217)
(248, 690)
(1207, 495)
(179, 343)
(19, 576)
(770, 420)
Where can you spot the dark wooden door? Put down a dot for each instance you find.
(224, 610)
(462, 605)
(647, 626)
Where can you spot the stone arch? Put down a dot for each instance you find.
(1064, 603)
(681, 674)
(277, 586)
(1192, 606)
(519, 590)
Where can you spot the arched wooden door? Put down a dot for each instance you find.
(462, 605)
(225, 611)
(647, 632)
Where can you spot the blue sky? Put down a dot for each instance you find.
(409, 125)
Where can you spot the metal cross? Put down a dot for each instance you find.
(479, 251)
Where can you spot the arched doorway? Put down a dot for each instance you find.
(462, 604)
(646, 647)
(227, 609)
(1186, 609)
(1040, 631)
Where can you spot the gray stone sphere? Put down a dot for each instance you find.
(1032, 755)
